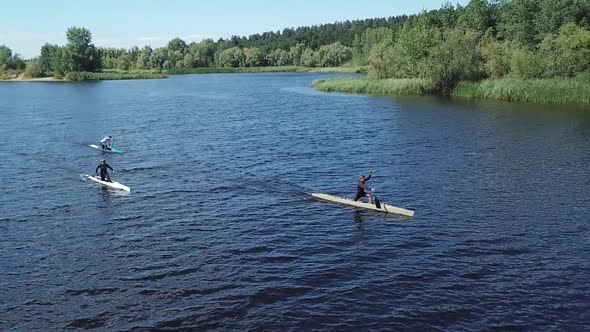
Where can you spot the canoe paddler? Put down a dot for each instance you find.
(107, 142)
(360, 188)
(104, 174)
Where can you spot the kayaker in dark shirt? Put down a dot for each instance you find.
(103, 170)
(360, 189)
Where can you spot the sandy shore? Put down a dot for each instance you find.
(40, 79)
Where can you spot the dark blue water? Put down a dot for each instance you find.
(218, 233)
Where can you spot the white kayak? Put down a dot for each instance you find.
(94, 146)
(347, 201)
(113, 184)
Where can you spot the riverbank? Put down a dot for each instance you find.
(115, 74)
(38, 79)
(549, 91)
(106, 75)
(269, 69)
(111, 75)
(556, 90)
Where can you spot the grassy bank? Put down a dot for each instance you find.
(114, 75)
(280, 69)
(375, 86)
(557, 90)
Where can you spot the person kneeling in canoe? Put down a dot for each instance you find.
(107, 143)
(360, 189)
(104, 174)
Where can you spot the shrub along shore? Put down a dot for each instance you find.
(554, 90)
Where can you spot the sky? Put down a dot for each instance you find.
(28, 24)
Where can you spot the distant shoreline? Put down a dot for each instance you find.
(110, 74)
(267, 69)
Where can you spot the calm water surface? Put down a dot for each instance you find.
(218, 233)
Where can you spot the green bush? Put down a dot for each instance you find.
(33, 69)
(526, 64)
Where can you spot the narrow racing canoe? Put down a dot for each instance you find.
(94, 146)
(113, 184)
(347, 201)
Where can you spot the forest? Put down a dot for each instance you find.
(520, 39)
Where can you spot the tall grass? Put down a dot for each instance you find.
(555, 90)
(343, 69)
(113, 75)
(412, 86)
(269, 69)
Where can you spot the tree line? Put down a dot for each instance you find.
(484, 39)
(525, 39)
(324, 45)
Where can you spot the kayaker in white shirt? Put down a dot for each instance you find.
(107, 142)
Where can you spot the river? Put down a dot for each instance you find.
(218, 232)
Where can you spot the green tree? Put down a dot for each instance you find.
(188, 61)
(456, 58)
(33, 69)
(447, 16)
(517, 21)
(46, 57)
(254, 57)
(496, 55)
(175, 58)
(203, 53)
(526, 64)
(279, 57)
(5, 55)
(60, 62)
(18, 62)
(83, 56)
(555, 13)
(477, 16)
(158, 57)
(143, 59)
(381, 59)
(567, 53)
(364, 42)
(232, 57)
(177, 44)
(124, 62)
(334, 55)
(310, 58)
(9, 60)
(412, 48)
(295, 53)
